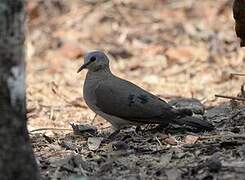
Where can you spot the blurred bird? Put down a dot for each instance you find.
(123, 103)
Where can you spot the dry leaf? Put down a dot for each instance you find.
(94, 143)
(164, 136)
(190, 139)
(154, 49)
(32, 10)
(186, 53)
(71, 50)
(170, 140)
(78, 102)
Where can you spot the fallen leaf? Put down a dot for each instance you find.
(186, 53)
(164, 136)
(170, 140)
(32, 10)
(190, 139)
(154, 49)
(94, 143)
(180, 53)
(71, 50)
(78, 102)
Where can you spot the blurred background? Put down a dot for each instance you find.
(173, 48)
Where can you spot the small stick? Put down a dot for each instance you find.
(56, 129)
(159, 141)
(230, 97)
(222, 136)
(238, 74)
(107, 127)
(92, 122)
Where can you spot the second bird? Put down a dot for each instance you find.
(123, 103)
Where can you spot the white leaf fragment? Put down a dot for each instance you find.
(94, 142)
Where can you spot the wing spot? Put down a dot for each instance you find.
(130, 100)
(143, 98)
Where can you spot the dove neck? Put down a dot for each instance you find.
(102, 73)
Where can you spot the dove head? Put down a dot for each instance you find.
(95, 61)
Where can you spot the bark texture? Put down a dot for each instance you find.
(16, 155)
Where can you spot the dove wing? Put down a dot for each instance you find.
(124, 99)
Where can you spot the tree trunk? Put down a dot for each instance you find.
(16, 156)
(239, 16)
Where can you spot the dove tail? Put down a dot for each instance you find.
(184, 112)
(199, 124)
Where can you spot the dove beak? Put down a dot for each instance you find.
(84, 66)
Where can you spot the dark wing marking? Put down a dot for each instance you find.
(129, 101)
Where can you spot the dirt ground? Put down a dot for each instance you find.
(172, 48)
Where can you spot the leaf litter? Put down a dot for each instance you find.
(170, 48)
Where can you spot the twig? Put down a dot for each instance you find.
(51, 113)
(56, 129)
(107, 127)
(237, 74)
(222, 136)
(236, 114)
(230, 97)
(159, 141)
(92, 122)
(204, 100)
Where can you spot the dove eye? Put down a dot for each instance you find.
(92, 59)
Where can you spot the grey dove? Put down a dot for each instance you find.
(123, 103)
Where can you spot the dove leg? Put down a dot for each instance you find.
(113, 134)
